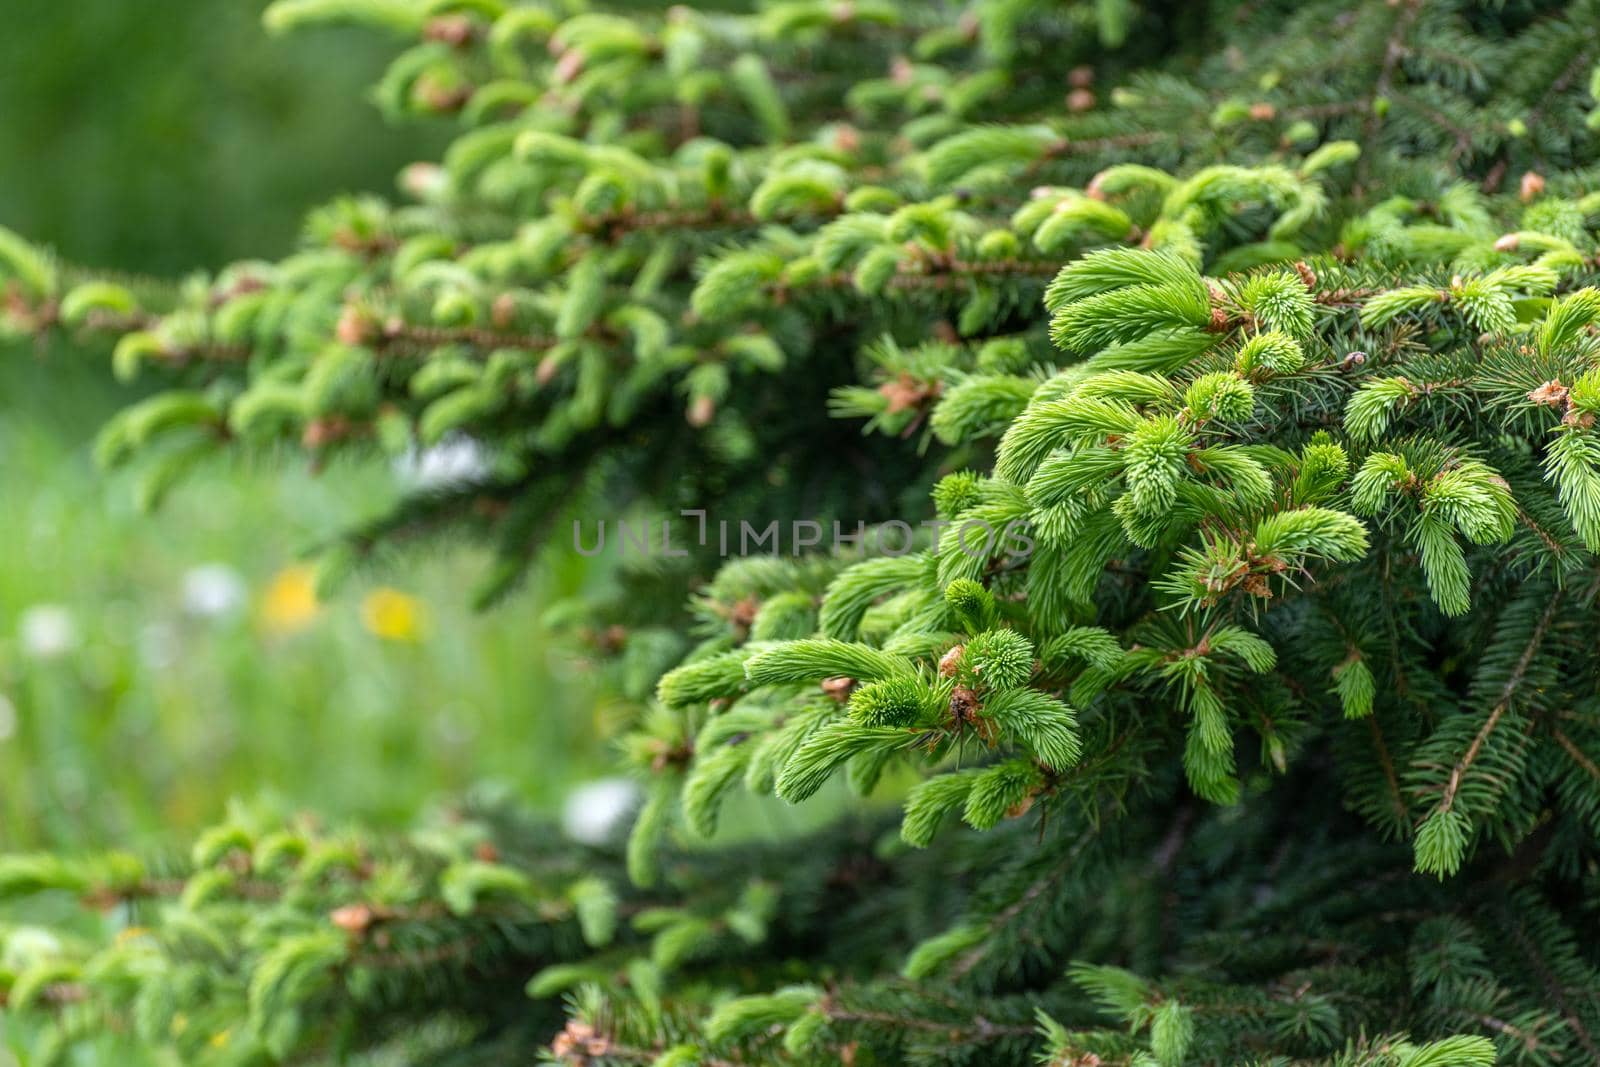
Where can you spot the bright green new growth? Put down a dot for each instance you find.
(1212, 678)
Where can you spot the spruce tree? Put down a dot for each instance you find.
(1234, 368)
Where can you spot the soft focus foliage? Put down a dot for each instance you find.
(136, 131)
(150, 670)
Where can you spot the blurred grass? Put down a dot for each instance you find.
(154, 709)
(158, 137)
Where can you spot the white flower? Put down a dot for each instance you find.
(594, 810)
(213, 591)
(47, 631)
(27, 946)
(455, 460)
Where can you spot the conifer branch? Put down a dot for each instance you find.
(1507, 693)
(1224, 400)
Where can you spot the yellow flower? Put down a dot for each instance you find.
(290, 603)
(393, 616)
(221, 1038)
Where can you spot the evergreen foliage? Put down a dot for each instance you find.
(1242, 705)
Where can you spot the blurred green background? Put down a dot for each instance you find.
(152, 667)
(159, 136)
